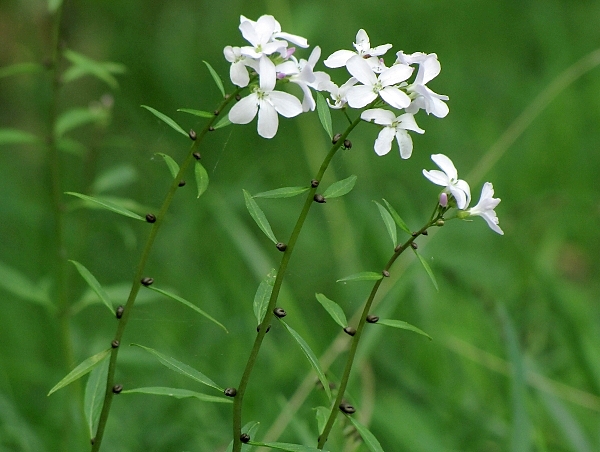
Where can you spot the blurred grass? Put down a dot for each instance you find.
(528, 299)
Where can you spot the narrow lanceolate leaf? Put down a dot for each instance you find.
(399, 221)
(77, 117)
(82, 369)
(202, 114)
(224, 121)
(403, 326)
(14, 136)
(18, 284)
(312, 358)
(178, 394)
(324, 115)
(250, 428)
(201, 178)
(115, 177)
(188, 304)
(428, 270)
(20, 68)
(340, 188)
(94, 284)
(259, 216)
(263, 294)
(334, 310)
(172, 164)
(107, 205)
(94, 396)
(367, 437)
(83, 65)
(322, 414)
(287, 446)
(285, 192)
(215, 77)
(166, 119)
(362, 276)
(182, 368)
(389, 223)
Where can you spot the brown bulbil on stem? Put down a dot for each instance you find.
(181, 183)
(119, 312)
(281, 246)
(147, 281)
(350, 331)
(336, 138)
(197, 155)
(413, 245)
(192, 134)
(279, 313)
(115, 344)
(314, 183)
(151, 218)
(345, 407)
(117, 389)
(230, 392)
(386, 273)
(319, 198)
(372, 318)
(244, 437)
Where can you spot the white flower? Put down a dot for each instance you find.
(263, 35)
(485, 208)
(394, 127)
(363, 49)
(338, 94)
(423, 97)
(373, 85)
(266, 102)
(238, 72)
(448, 178)
(301, 73)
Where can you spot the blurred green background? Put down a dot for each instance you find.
(515, 360)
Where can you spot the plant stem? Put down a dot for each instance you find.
(359, 330)
(135, 287)
(241, 389)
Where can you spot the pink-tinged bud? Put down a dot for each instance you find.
(289, 52)
(281, 76)
(444, 199)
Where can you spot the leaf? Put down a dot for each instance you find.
(334, 310)
(18, 284)
(428, 270)
(250, 428)
(399, 221)
(83, 65)
(116, 292)
(182, 368)
(115, 177)
(82, 369)
(107, 205)
(368, 438)
(201, 178)
(95, 390)
(258, 215)
(95, 285)
(124, 203)
(202, 114)
(53, 5)
(223, 122)
(70, 146)
(389, 223)
(362, 276)
(166, 119)
(178, 394)
(322, 414)
(312, 358)
(340, 188)
(403, 326)
(77, 117)
(215, 77)
(172, 164)
(14, 136)
(20, 68)
(288, 447)
(263, 294)
(324, 115)
(285, 192)
(188, 304)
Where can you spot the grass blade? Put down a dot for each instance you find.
(166, 119)
(82, 369)
(95, 285)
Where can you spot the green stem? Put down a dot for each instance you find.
(241, 389)
(359, 330)
(135, 287)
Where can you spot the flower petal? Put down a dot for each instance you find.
(404, 143)
(268, 122)
(437, 177)
(245, 110)
(383, 143)
(267, 74)
(395, 97)
(360, 96)
(361, 70)
(338, 58)
(407, 122)
(379, 115)
(445, 165)
(395, 74)
(285, 104)
(239, 74)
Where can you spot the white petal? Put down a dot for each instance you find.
(461, 191)
(445, 165)
(285, 104)
(395, 97)
(362, 43)
(437, 177)
(404, 143)
(383, 143)
(314, 57)
(267, 74)
(360, 96)
(407, 122)
(338, 58)
(265, 27)
(267, 120)
(272, 47)
(245, 110)
(230, 54)
(396, 74)
(360, 69)
(298, 40)
(379, 115)
(248, 32)
(239, 74)
(380, 50)
(430, 68)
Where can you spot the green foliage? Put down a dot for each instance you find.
(177, 393)
(428, 270)
(287, 447)
(94, 285)
(362, 276)
(200, 113)
(285, 192)
(14, 136)
(389, 223)
(334, 310)
(18, 284)
(20, 68)
(259, 216)
(106, 204)
(166, 120)
(324, 114)
(215, 77)
(368, 438)
(78, 117)
(82, 369)
(83, 65)
(171, 164)
(201, 178)
(402, 325)
(95, 390)
(399, 221)
(340, 188)
(262, 296)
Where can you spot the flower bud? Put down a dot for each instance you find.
(444, 199)
(439, 223)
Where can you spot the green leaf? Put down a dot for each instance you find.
(287, 447)
(250, 428)
(215, 77)
(53, 5)
(116, 292)
(78, 117)
(312, 358)
(202, 114)
(399, 221)
(188, 304)
(20, 68)
(324, 115)
(70, 146)
(82, 369)
(258, 215)
(362, 276)
(18, 284)
(403, 326)
(201, 178)
(107, 205)
(389, 223)
(428, 270)
(223, 122)
(334, 310)
(263, 294)
(368, 438)
(182, 368)
(166, 119)
(95, 390)
(95, 285)
(177, 393)
(322, 415)
(14, 136)
(285, 192)
(115, 177)
(83, 65)
(172, 164)
(340, 188)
